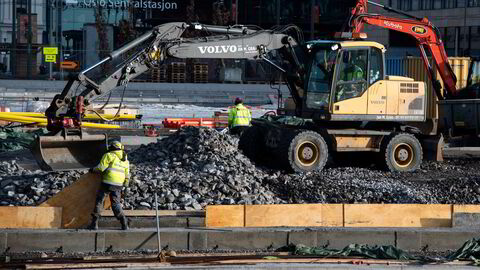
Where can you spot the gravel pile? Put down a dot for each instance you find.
(197, 167)
(448, 182)
(23, 187)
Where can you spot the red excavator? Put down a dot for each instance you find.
(341, 98)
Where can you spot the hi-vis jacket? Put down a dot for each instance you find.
(239, 116)
(115, 168)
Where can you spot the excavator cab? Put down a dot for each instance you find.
(346, 81)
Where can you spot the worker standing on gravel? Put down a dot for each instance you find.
(114, 167)
(239, 117)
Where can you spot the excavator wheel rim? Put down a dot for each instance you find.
(307, 153)
(403, 155)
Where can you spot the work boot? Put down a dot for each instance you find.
(94, 224)
(124, 222)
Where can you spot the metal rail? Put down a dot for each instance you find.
(188, 259)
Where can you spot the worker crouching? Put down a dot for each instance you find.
(239, 118)
(114, 167)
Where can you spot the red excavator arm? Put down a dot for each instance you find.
(425, 33)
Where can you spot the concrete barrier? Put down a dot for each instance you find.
(232, 239)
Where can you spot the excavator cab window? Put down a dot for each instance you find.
(352, 74)
(376, 66)
(475, 72)
(321, 76)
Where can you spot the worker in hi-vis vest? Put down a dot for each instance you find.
(114, 167)
(239, 117)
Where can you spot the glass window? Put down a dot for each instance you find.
(415, 4)
(437, 4)
(427, 4)
(460, 3)
(321, 75)
(376, 65)
(475, 72)
(352, 75)
(473, 3)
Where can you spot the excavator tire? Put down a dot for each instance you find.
(251, 143)
(307, 151)
(402, 152)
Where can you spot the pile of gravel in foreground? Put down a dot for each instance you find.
(23, 187)
(196, 167)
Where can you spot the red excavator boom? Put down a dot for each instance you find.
(425, 33)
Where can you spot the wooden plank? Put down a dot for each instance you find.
(466, 208)
(29, 217)
(398, 215)
(304, 215)
(77, 201)
(225, 216)
(162, 213)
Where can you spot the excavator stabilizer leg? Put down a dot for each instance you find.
(62, 152)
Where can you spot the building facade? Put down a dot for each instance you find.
(84, 31)
(457, 20)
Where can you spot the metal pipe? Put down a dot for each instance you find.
(387, 8)
(96, 65)
(59, 34)
(48, 11)
(131, 45)
(223, 29)
(158, 224)
(87, 116)
(13, 50)
(29, 40)
(43, 121)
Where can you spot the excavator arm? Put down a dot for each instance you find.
(68, 147)
(425, 33)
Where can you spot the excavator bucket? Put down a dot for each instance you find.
(71, 152)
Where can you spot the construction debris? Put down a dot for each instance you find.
(199, 166)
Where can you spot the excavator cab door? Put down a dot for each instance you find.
(320, 78)
(350, 83)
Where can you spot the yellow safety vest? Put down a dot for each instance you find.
(239, 116)
(115, 171)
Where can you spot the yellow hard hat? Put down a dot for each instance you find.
(115, 145)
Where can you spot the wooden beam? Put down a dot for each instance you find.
(77, 201)
(398, 215)
(225, 216)
(466, 208)
(30, 217)
(162, 213)
(304, 215)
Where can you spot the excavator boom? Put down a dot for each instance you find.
(69, 147)
(426, 34)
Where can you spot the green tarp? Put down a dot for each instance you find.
(356, 250)
(470, 250)
(15, 139)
